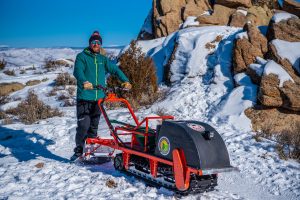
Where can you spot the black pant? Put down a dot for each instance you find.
(88, 116)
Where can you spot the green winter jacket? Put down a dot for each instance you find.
(93, 68)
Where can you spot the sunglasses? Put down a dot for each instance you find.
(94, 42)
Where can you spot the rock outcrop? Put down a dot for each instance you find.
(247, 49)
(220, 16)
(291, 6)
(235, 3)
(288, 30)
(169, 14)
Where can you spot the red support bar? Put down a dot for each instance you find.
(153, 168)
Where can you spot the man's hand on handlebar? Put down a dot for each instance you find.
(126, 85)
(87, 85)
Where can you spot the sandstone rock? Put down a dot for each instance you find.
(246, 50)
(256, 38)
(288, 30)
(234, 3)
(195, 8)
(291, 6)
(167, 16)
(275, 119)
(287, 95)
(220, 16)
(238, 19)
(259, 16)
(269, 93)
(7, 88)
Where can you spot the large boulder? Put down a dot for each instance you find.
(195, 8)
(291, 6)
(279, 87)
(246, 49)
(220, 16)
(235, 3)
(238, 18)
(169, 14)
(259, 15)
(287, 28)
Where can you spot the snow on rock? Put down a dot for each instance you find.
(244, 12)
(277, 17)
(242, 79)
(288, 50)
(190, 21)
(258, 68)
(242, 35)
(273, 68)
(260, 60)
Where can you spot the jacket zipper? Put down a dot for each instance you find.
(96, 76)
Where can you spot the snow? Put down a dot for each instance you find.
(280, 16)
(190, 21)
(288, 50)
(244, 12)
(258, 68)
(242, 35)
(204, 92)
(273, 68)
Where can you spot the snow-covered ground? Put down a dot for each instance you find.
(202, 90)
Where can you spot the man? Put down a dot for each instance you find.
(90, 70)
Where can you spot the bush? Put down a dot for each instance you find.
(4, 99)
(9, 72)
(37, 109)
(141, 73)
(64, 79)
(289, 143)
(51, 64)
(33, 82)
(2, 64)
(288, 140)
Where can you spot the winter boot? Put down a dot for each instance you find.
(77, 153)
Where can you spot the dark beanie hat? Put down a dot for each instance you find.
(95, 36)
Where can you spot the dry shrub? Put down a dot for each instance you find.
(71, 90)
(161, 111)
(53, 92)
(2, 64)
(289, 143)
(9, 72)
(62, 97)
(32, 109)
(4, 99)
(141, 73)
(2, 115)
(51, 64)
(69, 102)
(7, 88)
(33, 82)
(64, 79)
(22, 71)
(45, 79)
(7, 121)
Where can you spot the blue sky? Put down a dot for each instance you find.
(50, 23)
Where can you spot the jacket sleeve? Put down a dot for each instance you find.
(115, 70)
(79, 70)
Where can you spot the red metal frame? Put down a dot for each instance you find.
(181, 170)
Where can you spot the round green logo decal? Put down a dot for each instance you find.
(164, 146)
